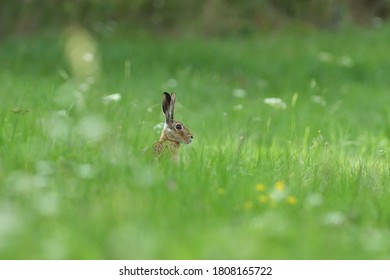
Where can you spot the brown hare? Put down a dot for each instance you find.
(174, 132)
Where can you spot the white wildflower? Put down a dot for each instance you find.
(158, 127)
(277, 195)
(62, 113)
(346, 61)
(334, 218)
(115, 97)
(23, 181)
(318, 100)
(239, 93)
(58, 125)
(92, 127)
(47, 204)
(86, 171)
(314, 200)
(276, 103)
(44, 168)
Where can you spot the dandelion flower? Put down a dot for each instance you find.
(279, 185)
(291, 200)
(248, 205)
(221, 191)
(260, 187)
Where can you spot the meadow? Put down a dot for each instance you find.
(290, 158)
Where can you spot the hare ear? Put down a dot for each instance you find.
(168, 104)
(172, 107)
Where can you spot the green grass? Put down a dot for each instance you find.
(74, 183)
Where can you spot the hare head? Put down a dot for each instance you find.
(173, 131)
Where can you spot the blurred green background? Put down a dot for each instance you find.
(288, 102)
(199, 16)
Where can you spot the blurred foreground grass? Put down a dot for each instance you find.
(304, 175)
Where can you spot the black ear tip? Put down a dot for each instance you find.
(167, 96)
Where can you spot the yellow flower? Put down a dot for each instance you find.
(260, 187)
(263, 198)
(248, 205)
(279, 185)
(291, 200)
(221, 191)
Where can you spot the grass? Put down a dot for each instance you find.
(310, 181)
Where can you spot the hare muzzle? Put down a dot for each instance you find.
(189, 139)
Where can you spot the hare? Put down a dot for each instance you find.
(174, 132)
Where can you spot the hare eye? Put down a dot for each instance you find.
(179, 126)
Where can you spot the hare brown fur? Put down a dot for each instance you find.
(174, 132)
